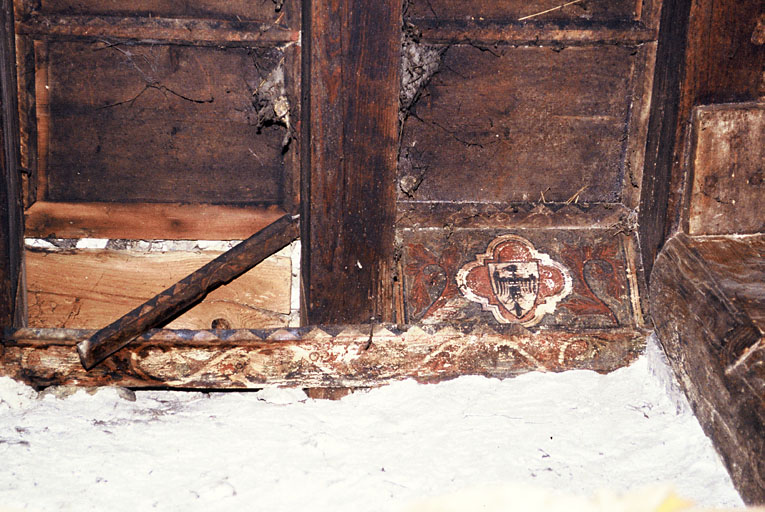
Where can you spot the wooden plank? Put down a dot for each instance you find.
(338, 356)
(516, 125)
(477, 31)
(728, 177)
(147, 220)
(25, 65)
(12, 295)
(91, 288)
(715, 349)
(239, 10)
(442, 280)
(180, 30)
(660, 142)
(513, 10)
(706, 55)
(160, 124)
(355, 60)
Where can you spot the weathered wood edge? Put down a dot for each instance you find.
(147, 220)
(690, 156)
(186, 31)
(12, 289)
(354, 80)
(438, 31)
(715, 352)
(314, 356)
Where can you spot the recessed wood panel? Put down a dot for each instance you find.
(520, 124)
(160, 123)
(226, 9)
(512, 10)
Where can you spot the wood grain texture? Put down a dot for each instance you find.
(167, 30)
(216, 9)
(700, 311)
(158, 124)
(171, 302)
(512, 10)
(354, 69)
(12, 295)
(337, 356)
(88, 289)
(517, 125)
(738, 265)
(706, 55)
(728, 170)
(147, 220)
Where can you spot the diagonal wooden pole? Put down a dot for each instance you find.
(188, 291)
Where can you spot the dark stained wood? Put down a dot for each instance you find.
(520, 125)
(741, 261)
(662, 124)
(512, 10)
(355, 59)
(158, 123)
(728, 176)
(337, 356)
(147, 220)
(240, 10)
(706, 54)
(704, 296)
(189, 290)
(488, 33)
(188, 31)
(25, 65)
(12, 293)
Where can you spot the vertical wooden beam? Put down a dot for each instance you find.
(353, 100)
(707, 53)
(12, 293)
(662, 125)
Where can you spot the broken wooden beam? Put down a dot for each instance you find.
(188, 291)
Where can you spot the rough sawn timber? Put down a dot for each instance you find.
(336, 356)
(707, 299)
(355, 51)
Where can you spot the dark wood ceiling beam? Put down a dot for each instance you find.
(348, 238)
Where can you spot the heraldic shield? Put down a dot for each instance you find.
(514, 281)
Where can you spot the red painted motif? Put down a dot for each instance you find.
(514, 281)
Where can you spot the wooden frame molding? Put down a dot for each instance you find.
(337, 356)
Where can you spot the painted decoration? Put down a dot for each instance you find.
(514, 281)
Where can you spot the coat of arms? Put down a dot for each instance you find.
(514, 281)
